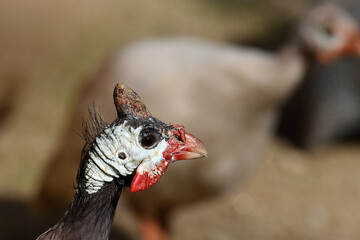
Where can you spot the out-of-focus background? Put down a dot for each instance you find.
(50, 48)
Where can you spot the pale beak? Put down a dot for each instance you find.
(192, 149)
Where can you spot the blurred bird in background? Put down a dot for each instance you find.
(323, 109)
(234, 90)
(228, 95)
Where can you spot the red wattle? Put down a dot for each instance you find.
(145, 178)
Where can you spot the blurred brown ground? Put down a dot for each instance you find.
(49, 47)
(292, 195)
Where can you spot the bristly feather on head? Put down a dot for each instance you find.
(92, 126)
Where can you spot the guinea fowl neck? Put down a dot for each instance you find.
(89, 216)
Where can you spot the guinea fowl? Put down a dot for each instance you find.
(229, 94)
(135, 142)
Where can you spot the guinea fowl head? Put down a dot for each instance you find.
(328, 32)
(135, 149)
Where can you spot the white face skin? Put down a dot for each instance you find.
(116, 142)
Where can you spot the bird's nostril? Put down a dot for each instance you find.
(182, 135)
(179, 134)
(178, 137)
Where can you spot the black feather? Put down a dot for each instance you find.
(93, 126)
(88, 217)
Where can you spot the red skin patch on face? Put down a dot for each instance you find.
(353, 46)
(181, 146)
(145, 179)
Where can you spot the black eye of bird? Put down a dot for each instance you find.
(148, 139)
